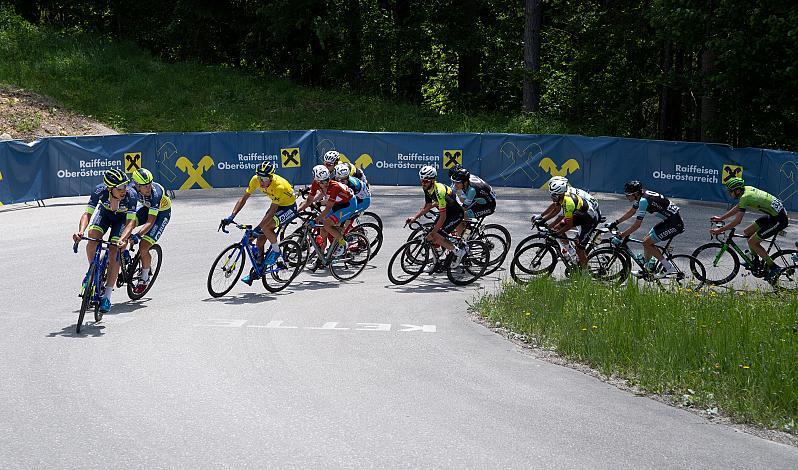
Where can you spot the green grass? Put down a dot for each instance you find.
(124, 86)
(733, 352)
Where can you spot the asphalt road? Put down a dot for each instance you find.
(322, 375)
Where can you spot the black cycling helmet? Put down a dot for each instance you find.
(459, 175)
(632, 187)
(265, 169)
(115, 177)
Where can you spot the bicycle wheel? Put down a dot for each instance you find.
(784, 258)
(498, 249)
(88, 295)
(352, 261)
(690, 273)
(523, 243)
(608, 264)
(373, 234)
(787, 279)
(472, 266)
(292, 226)
(226, 270)
(535, 259)
(369, 217)
(499, 230)
(408, 262)
(721, 265)
(420, 231)
(278, 279)
(134, 271)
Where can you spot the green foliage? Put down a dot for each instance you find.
(729, 351)
(122, 85)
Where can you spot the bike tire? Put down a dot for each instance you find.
(609, 264)
(134, 272)
(715, 274)
(356, 246)
(526, 241)
(98, 315)
(498, 251)
(408, 262)
(784, 257)
(278, 280)
(88, 295)
(373, 234)
(472, 266)
(693, 270)
(371, 217)
(787, 279)
(542, 262)
(235, 270)
(426, 227)
(500, 230)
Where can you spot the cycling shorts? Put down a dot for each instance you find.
(161, 221)
(363, 204)
(586, 223)
(342, 211)
(284, 214)
(770, 225)
(453, 218)
(104, 219)
(667, 229)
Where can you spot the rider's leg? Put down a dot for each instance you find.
(756, 244)
(91, 247)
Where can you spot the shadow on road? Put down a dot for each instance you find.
(246, 298)
(90, 329)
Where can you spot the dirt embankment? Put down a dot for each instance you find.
(27, 116)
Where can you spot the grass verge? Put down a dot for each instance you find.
(734, 353)
(125, 87)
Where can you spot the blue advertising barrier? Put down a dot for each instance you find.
(70, 166)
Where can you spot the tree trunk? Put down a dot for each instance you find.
(709, 104)
(670, 112)
(353, 53)
(407, 53)
(533, 20)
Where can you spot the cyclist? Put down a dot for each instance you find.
(450, 213)
(358, 187)
(151, 218)
(117, 211)
(332, 158)
(576, 212)
(281, 210)
(339, 205)
(670, 225)
(774, 220)
(476, 196)
(554, 209)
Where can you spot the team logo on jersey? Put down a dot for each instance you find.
(132, 161)
(452, 158)
(732, 171)
(195, 173)
(290, 157)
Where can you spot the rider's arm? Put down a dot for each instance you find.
(424, 210)
(148, 224)
(639, 207)
(84, 222)
(567, 223)
(129, 226)
(735, 222)
(732, 211)
(550, 211)
(626, 216)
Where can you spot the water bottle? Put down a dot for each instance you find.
(640, 258)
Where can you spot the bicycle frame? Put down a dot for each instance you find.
(729, 242)
(247, 246)
(99, 261)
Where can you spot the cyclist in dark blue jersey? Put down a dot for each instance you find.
(152, 218)
(113, 205)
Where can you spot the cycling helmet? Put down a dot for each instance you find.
(332, 157)
(427, 172)
(142, 176)
(461, 175)
(563, 179)
(115, 177)
(734, 183)
(265, 169)
(557, 187)
(321, 173)
(341, 171)
(632, 187)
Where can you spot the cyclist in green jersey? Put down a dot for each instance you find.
(774, 220)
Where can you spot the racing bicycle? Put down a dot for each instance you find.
(540, 255)
(130, 269)
(93, 285)
(345, 258)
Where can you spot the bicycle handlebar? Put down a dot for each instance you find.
(97, 240)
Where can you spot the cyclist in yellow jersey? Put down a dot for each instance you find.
(281, 210)
(576, 212)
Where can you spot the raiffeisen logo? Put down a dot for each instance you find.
(413, 160)
(692, 173)
(248, 161)
(89, 168)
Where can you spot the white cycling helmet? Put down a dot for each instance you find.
(427, 172)
(332, 157)
(341, 171)
(321, 173)
(563, 179)
(558, 187)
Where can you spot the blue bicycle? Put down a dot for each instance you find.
(94, 283)
(276, 276)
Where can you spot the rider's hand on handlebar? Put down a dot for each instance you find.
(715, 218)
(410, 220)
(612, 225)
(77, 236)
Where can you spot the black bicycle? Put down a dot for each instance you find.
(130, 269)
(540, 255)
(411, 259)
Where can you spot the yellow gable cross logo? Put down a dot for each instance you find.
(195, 173)
(362, 162)
(132, 161)
(452, 158)
(291, 157)
(548, 165)
(732, 171)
